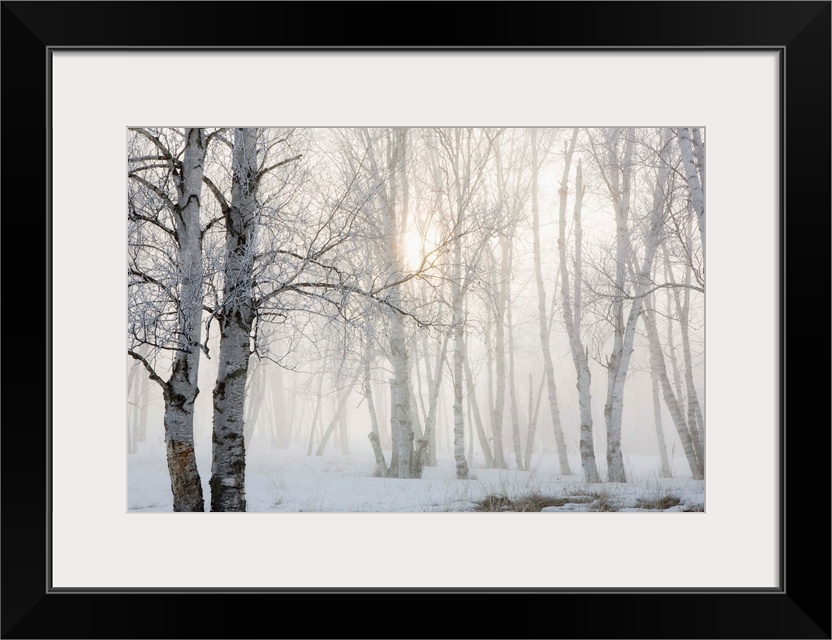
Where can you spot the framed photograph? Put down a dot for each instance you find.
(727, 548)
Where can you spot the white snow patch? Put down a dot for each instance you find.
(287, 480)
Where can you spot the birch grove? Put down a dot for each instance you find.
(433, 298)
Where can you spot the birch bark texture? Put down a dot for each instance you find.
(695, 181)
(236, 317)
(180, 389)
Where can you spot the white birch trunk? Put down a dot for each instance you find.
(572, 319)
(507, 254)
(500, 360)
(533, 413)
(228, 461)
(694, 410)
(657, 364)
(133, 390)
(457, 297)
(697, 194)
(616, 368)
(543, 326)
(689, 397)
(489, 357)
(281, 417)
(374, 436)
(459, 363)
(474, 407)
(625, 334)
(677, 378)
(657, 420)
(181, 389)
(434, 385)
(699, 155)
(512, 387)
(394, 228)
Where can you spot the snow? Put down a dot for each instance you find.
(287, 480)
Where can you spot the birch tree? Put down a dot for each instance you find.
(164, 210)
(572, 311)
(235, 317)
(694, 174)
(394, 223)
(543, 325)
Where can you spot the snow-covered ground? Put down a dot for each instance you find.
(289, 480)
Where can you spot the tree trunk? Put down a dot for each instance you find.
(543, 326)
(657, 364)
(394, 432)
(375, 440)
(339, 410)
(434, 385)
(228, 462)
(690, 397)
(459, 364)
(677, 378)
(394, 227)
(657, 419)
(316, 416)
(500, 361)
(533, 413)
(133, 391)
(254, 400)
(144, 403)
(616, 371)
(572, 318)
(475, 409)
(694, 410)
(181, 389)
(344, 433)
(507, 255)
(292, 423)
(381, 464)
(457, 297)
(697, 194)
(699, 155)
(512, 387)
(281, 418)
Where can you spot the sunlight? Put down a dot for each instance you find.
(416, 246)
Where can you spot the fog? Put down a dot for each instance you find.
(404, 319)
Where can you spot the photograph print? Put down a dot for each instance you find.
(411, 319)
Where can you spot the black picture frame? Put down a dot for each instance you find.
(798, 608)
